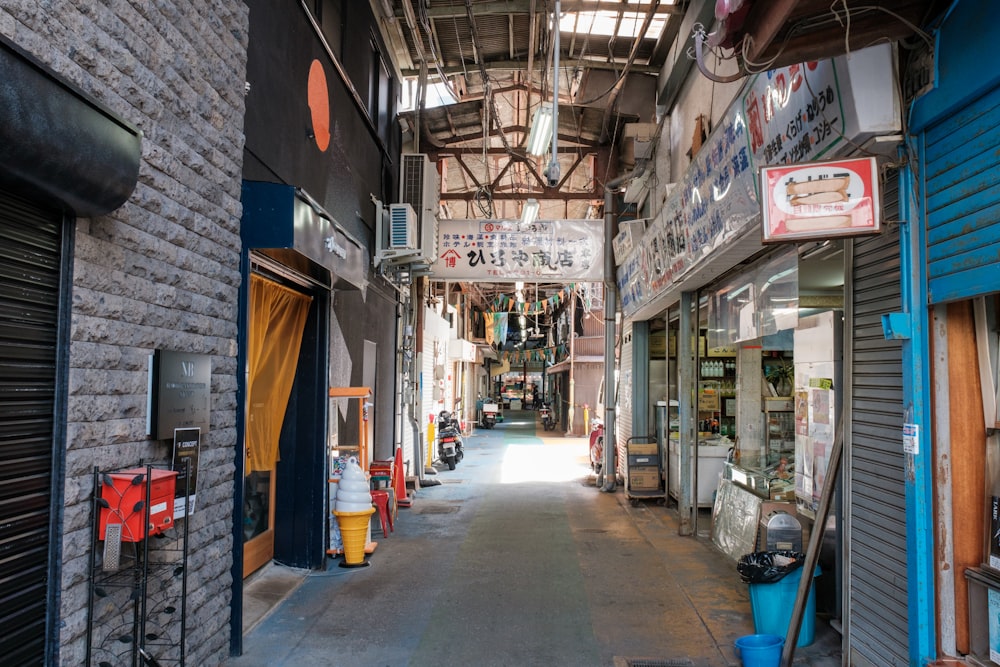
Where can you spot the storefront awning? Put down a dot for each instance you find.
(563, 366)
(283, 216)
(722, 260)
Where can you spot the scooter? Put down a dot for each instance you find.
(548, 419)
(449, 437)
(596, 444)
(488, 419)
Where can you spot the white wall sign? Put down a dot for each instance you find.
(506, 250)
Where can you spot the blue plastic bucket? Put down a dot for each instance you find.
(760, 650)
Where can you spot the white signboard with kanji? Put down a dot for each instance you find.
(507, 250)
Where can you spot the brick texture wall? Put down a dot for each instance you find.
(160, 272)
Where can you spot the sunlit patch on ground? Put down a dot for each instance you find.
(543, 463)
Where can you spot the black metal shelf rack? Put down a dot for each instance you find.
(137, 605)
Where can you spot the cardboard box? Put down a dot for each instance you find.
(644, 448)
(783, 494)
(123, 496)
(644, 479)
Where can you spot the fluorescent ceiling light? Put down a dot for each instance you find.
(530, 212)
(540, 137)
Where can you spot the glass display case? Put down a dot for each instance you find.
(769, 471)
(779, 429)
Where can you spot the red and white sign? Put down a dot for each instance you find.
(813, 201)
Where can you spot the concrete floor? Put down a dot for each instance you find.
(516, 558)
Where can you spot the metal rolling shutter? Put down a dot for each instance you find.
(875, 499)
(962, 155)
(30, 250)
(626, 390)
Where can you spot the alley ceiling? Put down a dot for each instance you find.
(488, 64)
(497, 60)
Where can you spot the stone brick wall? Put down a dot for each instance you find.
(160, 272)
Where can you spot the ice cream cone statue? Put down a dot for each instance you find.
(353, 511)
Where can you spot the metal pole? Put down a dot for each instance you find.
(815, 540)
(553, 169)
(687, 400)
(572, 380)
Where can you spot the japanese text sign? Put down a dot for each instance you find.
(492, 250)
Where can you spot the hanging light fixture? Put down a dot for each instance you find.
(541, 130)
(529, 213)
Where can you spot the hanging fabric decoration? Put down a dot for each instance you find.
(500, 328)
(489, 317)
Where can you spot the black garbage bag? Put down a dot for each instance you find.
(768, 567)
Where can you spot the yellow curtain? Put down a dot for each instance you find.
(277, 319)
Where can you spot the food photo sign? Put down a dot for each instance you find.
(819, 200)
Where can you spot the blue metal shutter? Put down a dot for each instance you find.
(961, 156)
(30, 251)
(875, 500)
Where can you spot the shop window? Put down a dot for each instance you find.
(756, 303)
(379, 92)
(329, 15)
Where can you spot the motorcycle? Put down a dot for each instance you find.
(449, 437)
(596, 444)
(548, 419)
(488, 419)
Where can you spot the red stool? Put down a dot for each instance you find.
(381, 500)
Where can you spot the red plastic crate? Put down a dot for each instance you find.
(125, 495)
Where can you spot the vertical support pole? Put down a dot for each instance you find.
(918, 470)
(572, 353)
(687, 335)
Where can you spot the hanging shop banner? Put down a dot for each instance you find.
(806, 202)
(502, 250)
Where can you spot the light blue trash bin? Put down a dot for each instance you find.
(772, 606)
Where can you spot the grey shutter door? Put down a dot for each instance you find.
(30, 253)
(876, 503)
(961, 157)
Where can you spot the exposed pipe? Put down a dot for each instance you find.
(552, 171)
(607, 482)
(699, 41)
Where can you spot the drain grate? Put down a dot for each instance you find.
(434, 508)
(652, 662)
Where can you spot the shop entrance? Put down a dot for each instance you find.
(277, 319)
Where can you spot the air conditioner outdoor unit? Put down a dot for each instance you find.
(637, 189)
(402, 227)
(419, 187)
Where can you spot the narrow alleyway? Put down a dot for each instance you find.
(516, 558)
